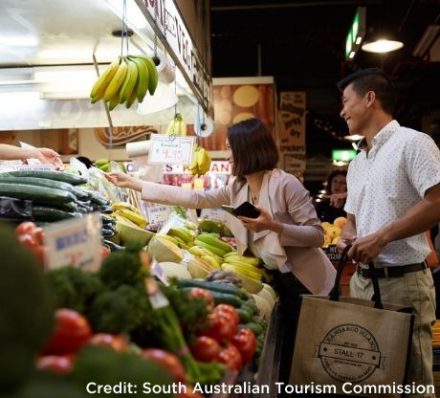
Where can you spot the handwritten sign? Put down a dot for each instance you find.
(157, 214)
(74, 242)
(166, 149)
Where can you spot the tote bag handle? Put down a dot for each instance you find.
(336, 290)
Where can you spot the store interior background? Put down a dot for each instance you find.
(299, 43)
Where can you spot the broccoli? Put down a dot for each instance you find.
(104, 366)
(119, 310)
(121, 267)
(73, 288)
(27, 311)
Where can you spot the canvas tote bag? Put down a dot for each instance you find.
(343, 340)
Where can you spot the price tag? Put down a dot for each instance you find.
(159, 273)
(74, 242)
(157, 214)
(214, 214)
(166, 149)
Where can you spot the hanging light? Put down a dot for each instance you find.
(381, 41)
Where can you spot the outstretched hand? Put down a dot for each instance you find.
(49, 157)
(123, 180)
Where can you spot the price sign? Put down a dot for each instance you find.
(157, 214)
(166, 149)
(74, 242)
(214, 214)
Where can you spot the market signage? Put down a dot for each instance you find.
(74, 243)
(356, 33)
(165, 15)
(167, 149)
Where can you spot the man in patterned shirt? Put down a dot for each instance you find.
(393, 197)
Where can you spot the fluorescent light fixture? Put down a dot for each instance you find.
(19, 41)
(353, 137)
(352, 54)
(426, 41)
(63, 75)
(358, 40)
(135, 16)
(382, 46)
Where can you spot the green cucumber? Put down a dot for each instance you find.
(38, 194)
(45, 182)
(225, 298)
(255, 327)
(214, 286)
(245, 314)
(51, 175)
(41, 213)
(70, 207)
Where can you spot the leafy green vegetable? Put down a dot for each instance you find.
(73, 288)
(118, 310)
(122, 267)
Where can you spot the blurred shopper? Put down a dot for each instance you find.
(332, 203)
(287, 234)
(44, 155)
(393, 197)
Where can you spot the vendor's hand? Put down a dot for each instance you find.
(262, 222)
(49, 157)
(367, 248)
(123, 180)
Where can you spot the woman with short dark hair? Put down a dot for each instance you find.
(287, 234)
(332, 203)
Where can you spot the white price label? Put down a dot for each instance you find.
(214, 214)
(157, 214)
(167, 149)
(74, 242)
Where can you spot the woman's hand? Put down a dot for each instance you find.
(262, 222)
(49, 157)
(124, 180)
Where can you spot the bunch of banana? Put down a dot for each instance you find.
(183, 236)
(201, 162)
(125, 80)
(213, 243)
(177, 126)
(125, 211)
(247, 263)
(211, 260)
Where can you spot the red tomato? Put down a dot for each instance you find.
(28, 241)
(116, 342)
(168, 361)
(231, 357)
(57, 364)
(246, 343)
(105, 251)
(38, 235)
(205, 349)
(229, 311)
(221, 328)
(197, 292)
(71, 332)
(26, 227)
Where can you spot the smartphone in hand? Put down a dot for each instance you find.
(246, 209)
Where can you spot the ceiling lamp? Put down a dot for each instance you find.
(382, 42)
(353, 137)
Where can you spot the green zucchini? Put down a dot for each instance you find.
(213, 286)
(40, 194)
(70, 207)
(51, 175)
(98, 199)
(244, 314)
(45, 182)
(49, 214)
(255, 327)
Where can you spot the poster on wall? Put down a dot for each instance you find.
(291, 119)
(237, 99)
(122, 135)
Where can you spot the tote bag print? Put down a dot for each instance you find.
(344, 341)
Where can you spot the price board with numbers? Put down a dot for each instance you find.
(167, 149)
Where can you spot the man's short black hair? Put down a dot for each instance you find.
(372, 79)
